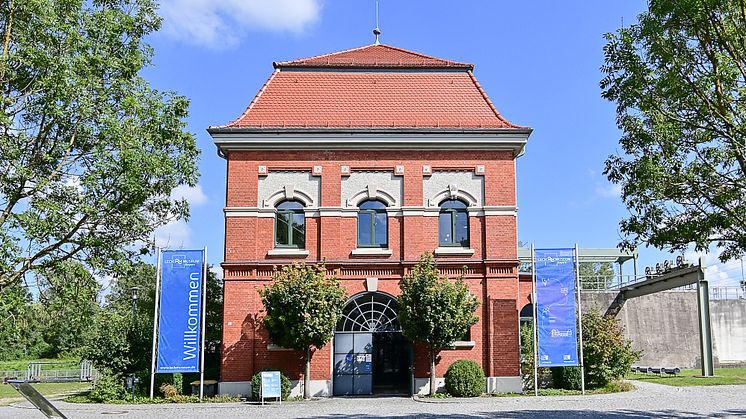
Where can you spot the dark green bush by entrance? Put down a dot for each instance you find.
(256, 383)
(465, 378)
(567, 378)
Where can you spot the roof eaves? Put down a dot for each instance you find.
(234, 123)
(490, 104)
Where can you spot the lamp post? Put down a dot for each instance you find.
(135, 292)
(132, 380)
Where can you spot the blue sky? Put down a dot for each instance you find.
(538, 61)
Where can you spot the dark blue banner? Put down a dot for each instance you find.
(180, 316)
(555, 305)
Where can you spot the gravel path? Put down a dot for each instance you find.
(647, 401)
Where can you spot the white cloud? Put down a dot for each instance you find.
(174, 235)
(217, 270)
(223, 23)
(718, 274)
(193, 195)
(609, 190)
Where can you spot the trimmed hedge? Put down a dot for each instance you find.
(465, 378)
(256, 382)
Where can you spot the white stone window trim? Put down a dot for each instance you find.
(463, 344)
(371, 191)
(285, 251)
(453, 192)
(453, 251)
(289, 192)
(371, 251)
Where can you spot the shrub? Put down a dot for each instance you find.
(168, 390)
(107, 388)
(608, 354)
(256, 383)
(527, 359)
(465, 378)
(567, 378)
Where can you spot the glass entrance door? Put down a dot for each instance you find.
(391, 361)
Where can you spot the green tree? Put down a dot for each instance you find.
(435, 310)
(122, 342)
(302, 306)
(596, 275)
(20, 328)
(89, 152)
(678, 78)
(69, 298)
(608, 355)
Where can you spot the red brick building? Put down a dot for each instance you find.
(366, 158)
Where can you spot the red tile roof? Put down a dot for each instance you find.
(374, 56)
(335, 91)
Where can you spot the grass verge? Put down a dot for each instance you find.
(722, 376)
(9, 395)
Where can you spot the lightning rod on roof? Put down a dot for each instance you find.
(376, 31)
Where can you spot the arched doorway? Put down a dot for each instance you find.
(370, 353)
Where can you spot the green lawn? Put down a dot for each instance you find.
(8, 394)
(692, 377)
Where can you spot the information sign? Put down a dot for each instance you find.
(271, 385)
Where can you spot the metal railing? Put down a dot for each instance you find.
(53, 372)
(727, 293)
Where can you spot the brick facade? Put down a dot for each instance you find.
(491, 270)
(382, 123)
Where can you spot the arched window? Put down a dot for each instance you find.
(372, 224)
(453, 224)
(290, 225)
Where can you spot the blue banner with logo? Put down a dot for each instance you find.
(180, 316)
(555, 305)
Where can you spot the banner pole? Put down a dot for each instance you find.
(533, 303)
(155, 318)
(204, 310)
(580, 316)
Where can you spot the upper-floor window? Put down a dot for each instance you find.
(290, 225)
(372, 224)
(453, 223)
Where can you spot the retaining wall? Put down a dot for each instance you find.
(664, 326)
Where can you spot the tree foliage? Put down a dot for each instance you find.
(435, 310)
(678, 78)
(608, 354)
(21, 331)
(302, 306)
(89, 152)
(68, 294)
(122, 340)
(596, 275)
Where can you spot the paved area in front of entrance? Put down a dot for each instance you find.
(648, 401)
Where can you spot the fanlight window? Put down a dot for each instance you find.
(370, 312)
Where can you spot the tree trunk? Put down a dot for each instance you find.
(432, 371)
(307, 376)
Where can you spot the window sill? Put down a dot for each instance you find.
(463, 344)
(276, 348)
(371, 251)
(454, 251)
(288, 252)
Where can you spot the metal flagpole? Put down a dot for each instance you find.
(155, 318)
(533, 303)
(580, 316)
(204, 310)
